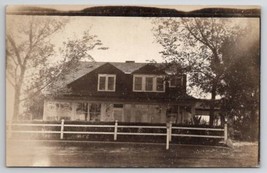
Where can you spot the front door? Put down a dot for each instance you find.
(118, 112)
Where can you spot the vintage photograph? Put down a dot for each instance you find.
(132, 86)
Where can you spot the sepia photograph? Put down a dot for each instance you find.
(133, 86)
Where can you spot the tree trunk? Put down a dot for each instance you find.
(17, 95)
(16, 103)
(212, 105)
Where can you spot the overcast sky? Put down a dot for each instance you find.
(128, 38)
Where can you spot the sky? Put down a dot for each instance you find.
(127, 38)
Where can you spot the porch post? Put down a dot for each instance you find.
(193, 109)
(73, 112)
(170, 132)
(225, 132)
(88, 111)
(44, 110)
(178, 117)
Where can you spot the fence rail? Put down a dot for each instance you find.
(170, 130)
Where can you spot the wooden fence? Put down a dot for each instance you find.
(169, 130)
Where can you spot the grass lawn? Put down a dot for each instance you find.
(119, 154)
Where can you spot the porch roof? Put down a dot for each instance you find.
(184, 99)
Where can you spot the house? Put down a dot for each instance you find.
(202, 112)
(127, 92)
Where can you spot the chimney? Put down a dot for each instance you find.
(129, 61)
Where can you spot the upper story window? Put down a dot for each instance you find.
(148, 83)
(175, 81)
(106, 82)
(160, 84)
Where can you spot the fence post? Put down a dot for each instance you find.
(167, 136)
(62, 129)
(225, 132)
(170, 132)
(115, 130)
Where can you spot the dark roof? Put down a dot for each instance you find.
(85, 67)
(82, 69)
(166, 99)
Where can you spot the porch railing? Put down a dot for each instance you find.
(171, 131)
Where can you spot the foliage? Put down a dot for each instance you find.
(241, 82)
(31, 57)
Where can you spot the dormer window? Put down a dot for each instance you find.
(106, 82)
(175, 81)
(148, 83)
(160, 84)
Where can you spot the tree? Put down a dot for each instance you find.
(31, 64)
(241, 82)
(195, 43)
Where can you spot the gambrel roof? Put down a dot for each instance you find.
(79, 76)
(85, 67)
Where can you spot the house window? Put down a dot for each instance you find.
(118, 105)
(106, 82)
(82, 111)
(160, 84)
(111, 83)
(95, 111)
(138, 83)
(148, 83)
(102, 83)
(172, 113)
(175, 81)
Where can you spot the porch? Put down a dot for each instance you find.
(133, 112)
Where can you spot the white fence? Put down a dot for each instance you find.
(169, 130)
